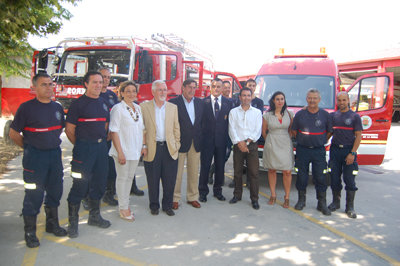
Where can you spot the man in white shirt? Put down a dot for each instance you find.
(245, 123)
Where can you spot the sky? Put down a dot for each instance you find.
(242, 35)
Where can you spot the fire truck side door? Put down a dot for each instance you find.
(371, 96)
(160, 65)
(235, 84)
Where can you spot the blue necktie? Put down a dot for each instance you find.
(216, 108)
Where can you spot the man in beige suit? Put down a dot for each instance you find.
(163, 143)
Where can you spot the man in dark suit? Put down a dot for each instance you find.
(190, 113)
(215, 135)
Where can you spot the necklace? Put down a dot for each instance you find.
(135, 115)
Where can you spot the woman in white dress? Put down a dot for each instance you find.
(278, 147)
(128, 144)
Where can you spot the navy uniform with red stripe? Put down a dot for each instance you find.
(89, 165)
(41, 125)
(312, 129)
(345, 124)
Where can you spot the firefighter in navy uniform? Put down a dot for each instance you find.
(311, 126)
(41, 122)
(346, 139)
(86, 128)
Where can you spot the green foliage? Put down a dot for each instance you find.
(19, 18)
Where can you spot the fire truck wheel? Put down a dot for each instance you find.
(7, 138)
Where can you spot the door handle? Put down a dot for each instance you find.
(382, 120)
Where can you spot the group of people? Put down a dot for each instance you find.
(110, 135)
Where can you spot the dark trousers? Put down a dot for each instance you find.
(338, 166)
(163, 167)
(315, 156)
(252, 164)
(43, 172)
(206, 157)
(89, 168)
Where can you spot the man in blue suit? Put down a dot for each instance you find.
(190, 114)
(215, 135)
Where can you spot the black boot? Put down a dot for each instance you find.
(350, 204)
(135, 190)
(109, 195)
(94, 215)
(73, 218)
(52, 224)
(321, 196)
(30, 232)
(301, 203)
(336, 195)
(85, 203)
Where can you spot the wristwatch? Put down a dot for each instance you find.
(353, 153)
(144, 146)
(247, 143)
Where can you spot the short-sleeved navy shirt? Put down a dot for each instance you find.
(110, 98)
(90, 117)
(41, 124)
(312, 128)
(344, 125)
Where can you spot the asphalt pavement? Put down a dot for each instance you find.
(218, 233)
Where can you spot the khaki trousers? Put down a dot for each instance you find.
(192, 167)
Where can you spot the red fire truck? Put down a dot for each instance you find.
(370, 95)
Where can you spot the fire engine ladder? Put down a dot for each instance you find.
(106, 41)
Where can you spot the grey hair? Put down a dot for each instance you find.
(155, 83)
(313, 90)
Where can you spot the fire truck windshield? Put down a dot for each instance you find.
(295, 88)
(75, 63)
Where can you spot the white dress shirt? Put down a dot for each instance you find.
(160, 121)
(130, 132)
(190, 108)
(245, 125)
(213, 103)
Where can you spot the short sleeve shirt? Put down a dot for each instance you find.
(312, 128)
(90, 117)
(344, 125)
(41, 124)
(110, 98)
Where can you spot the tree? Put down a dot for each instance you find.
(19, 18)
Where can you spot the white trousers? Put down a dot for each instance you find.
(123, 183)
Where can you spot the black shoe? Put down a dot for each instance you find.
(154, 212)
(220, 197)
(255, 205)
(203, 198)
(234, 200)
(95, 218)
(321, 196)
(232, 184)
(170, 212)
(73, 220)
(109, 199)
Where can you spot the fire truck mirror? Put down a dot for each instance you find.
(56, 60)
(43, 57)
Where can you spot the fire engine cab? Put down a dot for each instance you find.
(294, 75)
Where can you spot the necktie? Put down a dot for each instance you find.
(216, 108)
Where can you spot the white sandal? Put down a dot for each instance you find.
(129, 218)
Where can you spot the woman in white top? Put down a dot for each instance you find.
(128, 143)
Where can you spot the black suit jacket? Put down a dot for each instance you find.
(215, 130)
(189, 131)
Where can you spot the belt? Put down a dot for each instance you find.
(343, 146)
(92, 140)
(162, 143)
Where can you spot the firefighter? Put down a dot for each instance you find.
(310, 126)
(86, 128)
(110, 98)
(41, 122)
(346, 139)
